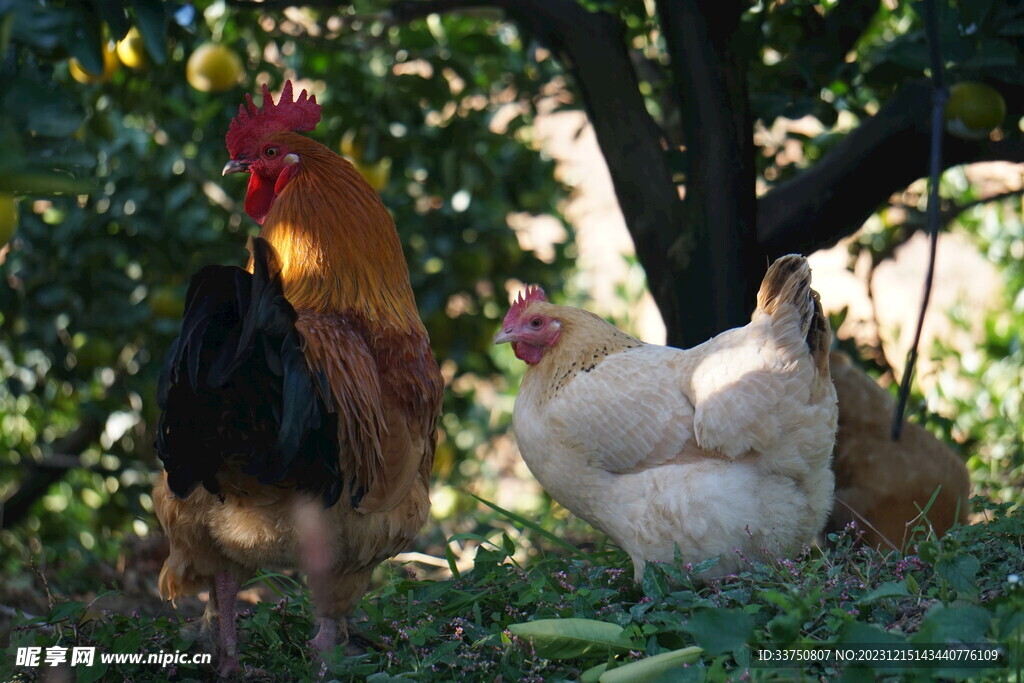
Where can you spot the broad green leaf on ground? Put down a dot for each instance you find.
(720, 630)
(650, 668)
(569, 638)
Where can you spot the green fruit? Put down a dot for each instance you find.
(8, 218)
(166, 302)
(973, 110)
(95, 352)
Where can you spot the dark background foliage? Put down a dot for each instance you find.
(120, 200)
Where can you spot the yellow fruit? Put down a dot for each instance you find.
(973, 110)
(131, 50)
(351, 146)
(214, 68)
(166, 302)
(110, 65)
(378, 174)
(8, 218)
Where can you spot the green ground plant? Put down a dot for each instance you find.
(567, 614)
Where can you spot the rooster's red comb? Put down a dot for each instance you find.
(533, 294)
(254, 123)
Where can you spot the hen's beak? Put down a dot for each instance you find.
(235, 166)
(503, 337)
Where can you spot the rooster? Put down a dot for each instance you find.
(300, 401)
(718, 450)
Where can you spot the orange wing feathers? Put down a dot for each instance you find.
(341, 257)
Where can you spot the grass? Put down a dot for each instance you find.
(490, 623)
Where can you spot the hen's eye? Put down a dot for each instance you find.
(536, 322)
(271, 152)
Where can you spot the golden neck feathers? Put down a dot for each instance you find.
(337, 243)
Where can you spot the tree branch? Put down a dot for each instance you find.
(811, 211)
(715, 252)
(592, 46)
(885, 153)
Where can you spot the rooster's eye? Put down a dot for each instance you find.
(271, 152)
(536, 322)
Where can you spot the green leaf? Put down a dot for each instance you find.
(961, 571)
(569, 638)
(89, 674)
(593, 674)
(857, 632)
(42, 27)
(942, 624)
(858, 674)
(151, 19)
(64, 610)
(927, 551)
(519, 519)
(129, 642)
(889, 589)
(654, 583)
(113, 14)
(449, 556)
(38, 183)
(6, 28)
(993, 53)
(42, 107)
(784, 628)
(720, 630)
(650, 668)
(88, 43)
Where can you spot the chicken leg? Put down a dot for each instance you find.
(347, 591)
(225, 590)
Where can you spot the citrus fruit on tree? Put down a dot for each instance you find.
(973, 110)
(214, 68)
(95, 352)
(378, 174)
(110, 65)
(166, 302)
(131, 50)
(351, 146)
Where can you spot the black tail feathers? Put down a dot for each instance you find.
(235, 388)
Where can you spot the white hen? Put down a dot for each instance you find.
(722, 449)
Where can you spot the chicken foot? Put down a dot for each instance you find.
(327, 634)
(225, 590)
(346, 591)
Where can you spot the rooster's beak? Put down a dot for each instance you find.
(235, 166)
(503, 337)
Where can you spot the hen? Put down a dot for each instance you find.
(300, 399)
(720, 450)
(884, 485)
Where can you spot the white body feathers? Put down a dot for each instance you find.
(722, 449)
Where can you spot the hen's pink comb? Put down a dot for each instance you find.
(533, 294)
(254, 123)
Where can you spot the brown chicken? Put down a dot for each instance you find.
(718, 450)
(307, 378)
(881, 484)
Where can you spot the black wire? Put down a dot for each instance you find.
(939, 96)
